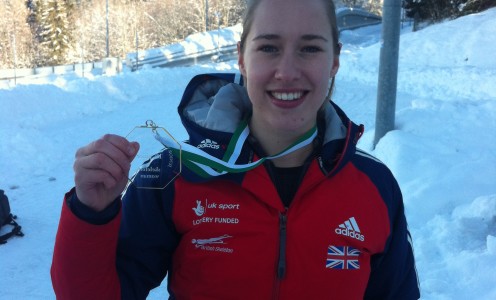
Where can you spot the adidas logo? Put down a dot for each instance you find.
(208, 143)
(350, 228)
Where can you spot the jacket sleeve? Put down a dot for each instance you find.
(83, 265)
(393, 273)
(122, 259)
(147, 240)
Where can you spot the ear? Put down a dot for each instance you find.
(241, 60)
(335, 66)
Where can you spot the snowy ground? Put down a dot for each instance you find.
(443, 151)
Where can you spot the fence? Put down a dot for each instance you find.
(107, 66)
(181, 58)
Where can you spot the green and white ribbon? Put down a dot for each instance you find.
(207, 165)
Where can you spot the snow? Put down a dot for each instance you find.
(443, 150)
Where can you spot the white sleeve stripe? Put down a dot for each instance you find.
(365, 154)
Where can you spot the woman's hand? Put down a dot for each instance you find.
(102, 169)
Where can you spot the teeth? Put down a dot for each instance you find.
(287, 96)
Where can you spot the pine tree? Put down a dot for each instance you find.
(436, 10)
(55, 31)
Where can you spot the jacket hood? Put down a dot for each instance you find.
(213, 105)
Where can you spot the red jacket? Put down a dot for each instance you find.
(344, 236)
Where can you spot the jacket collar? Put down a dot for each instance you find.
(213, 105)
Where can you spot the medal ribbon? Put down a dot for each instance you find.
(207, 165)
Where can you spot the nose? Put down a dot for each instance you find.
(288, 68)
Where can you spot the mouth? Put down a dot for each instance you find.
(287, 96)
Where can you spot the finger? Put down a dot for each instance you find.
(115, 147)
(94, 177)
(101, 161)
(128, 148)
(121, 143)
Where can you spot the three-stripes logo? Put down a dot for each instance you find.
(350, 228)
(208, 143)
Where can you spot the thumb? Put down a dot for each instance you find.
(133, 150)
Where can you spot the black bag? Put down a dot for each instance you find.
(6, 218)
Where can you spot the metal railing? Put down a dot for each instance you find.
(182, 58)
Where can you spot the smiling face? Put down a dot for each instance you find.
(287, 59)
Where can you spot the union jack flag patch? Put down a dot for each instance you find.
(342, 258)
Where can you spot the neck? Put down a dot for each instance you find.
(275, 141)
(295, 159)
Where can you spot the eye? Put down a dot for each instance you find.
(311, 49)
(268, 48)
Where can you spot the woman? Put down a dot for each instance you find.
(319, 219)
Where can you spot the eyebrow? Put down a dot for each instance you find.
(306, 37)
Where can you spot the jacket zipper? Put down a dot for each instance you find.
(281, 260)
(281, 263)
